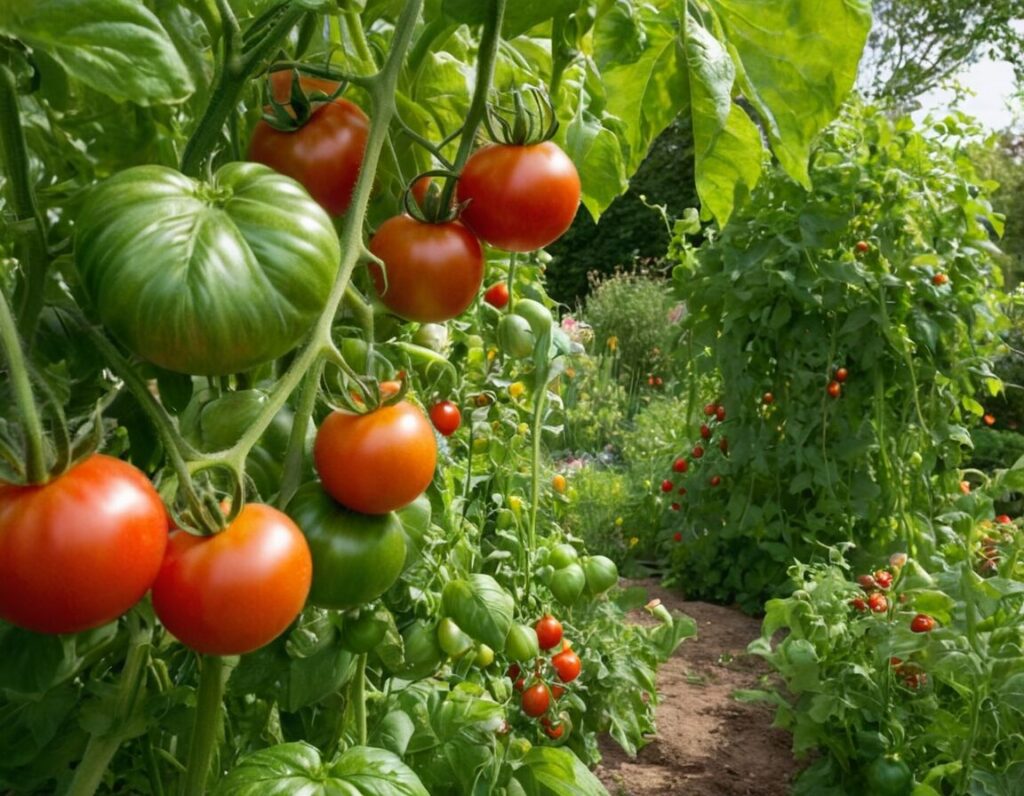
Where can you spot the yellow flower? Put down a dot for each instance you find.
(633, 541)
(517, 388)
(491, 354)
(516, 504)
(523, 428)
(613, 343)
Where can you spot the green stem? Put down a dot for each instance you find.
(294, 459)
(355, 32)
(101, 748)
(207, 722)
(35, 452)
(486, 60)
(511, 279)
(359, 699)
(541, 391)
(31, 249)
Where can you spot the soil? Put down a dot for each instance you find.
(707, 744)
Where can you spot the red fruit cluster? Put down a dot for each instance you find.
(538, 696)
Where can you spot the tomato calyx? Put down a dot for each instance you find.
(521, 125)
(303, 100)
(425, 204)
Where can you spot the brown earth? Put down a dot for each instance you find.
(708, 744)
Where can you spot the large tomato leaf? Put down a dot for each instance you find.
(798, 61)
(117, 47)
(296, 769)
(553, 771)
(520, 15)
(481, 608)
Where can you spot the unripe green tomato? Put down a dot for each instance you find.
(515, 336)
(562, 555)
(544, 574)
(504, 520)
(521, 643)
(354, 351)
(422, 651)
(916, 459)
(540, 557)
(453, 640)
(362, 634)
(433, 336)
(567, 584)
(601, 574)
(538, 316)
(484, 657)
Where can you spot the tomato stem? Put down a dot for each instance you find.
(296, 454)
(511, 280)
(486, 59)
(31, 249)
(102, 747)
(359, 699)
(35, 452)
(540, 396)
(207, 721)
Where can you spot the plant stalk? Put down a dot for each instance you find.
(35, 451)
(207, 723)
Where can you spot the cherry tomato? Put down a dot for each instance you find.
(446, 417)
(680, 465)
(536, 700)
(723, 445)
(555, 731)
(677, 537)
(715, 480)
(862, 247)
(767, 398)
(432, 272)
(842, 374)
(324, 155)
(549, 632)
(238, 590)
(497, 295)
(878, 603)
(667, 486)
(1004, 519)
(835, 389)
(697, 452)
(939, 280)
(867, 582)
(859, 604)
(420, 189)
(521, 198)
(883, 578)
(376, 462)
(720, 413)
(676, 507)
(922, 623)
(705, 431)
(990, 420)
(710, 409)
(80, 550)
(558, 483)
(568, 666)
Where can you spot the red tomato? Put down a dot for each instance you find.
(767, 398)
(715, 480)
(842, 374)
(79, 551)
(697, 452)
(1004, 519)
(446, 417)
(720, 413)
(939, 280)
(676, 507)
(835, 389)
(324, 154)
(710, 409)
(568, 666)
(513, 672)
(376, 462)
(859, 604)
(536, 700)
(549, 632)
(878, 603)
(557, 690)
(238, 590)
(521, 198)
(667, 486)
(680, 465)
(990, 420)
(434, 271)
(555, 731)
(862, 247)
(723, 445)
(705, 431)
(883, 578)
(677, 537)
(420, 189)
(497, 295)
(867, 582)
(922, 623)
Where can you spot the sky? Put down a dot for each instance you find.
(993, 85)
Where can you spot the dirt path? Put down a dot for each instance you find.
(708, 744)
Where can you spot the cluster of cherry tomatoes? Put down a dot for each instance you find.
(537, 689)
(715, 414)
(835, 386)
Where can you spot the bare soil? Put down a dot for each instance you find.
(707, 744)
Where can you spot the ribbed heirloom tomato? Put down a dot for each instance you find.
(432, 272)
(520, 198)
(376, 462)
(79, 551)
(238, 590)
(324, 154)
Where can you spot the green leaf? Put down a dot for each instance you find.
(520, 15)
(554, 771)
(117, 47)
(296, 768)
(797, 62)
(481, 608)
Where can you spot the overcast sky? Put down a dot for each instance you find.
(993, 85)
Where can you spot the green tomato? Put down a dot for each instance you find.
(363, 634)
(567, 584)
(484, 657)
(415, 519)
(356, 557)
(601, 574)
(538, 316)
(562, 555)
(422, 651)
(515, 336)
(521, 643)
(544, 574)
(889, 776)
(207, 278)
(505, 519)
(433, 336)
(454, 642)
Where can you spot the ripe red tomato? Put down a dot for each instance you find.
(433, 271)
(859, 604)
(568, 665)
(1004, 519)
(376, 462)
(842, 374)
(667, 486)
(922, 623)
(446, 417)
(867, 582)
(715, 480)
(883, 578)
(676, 507)
(939, 280)
(497, 295)
(767, 398)
(720, 413)
(238, 590)
(324, 154)
(521, 198)
(555, 731)
(878, 603)
(990, 420)
(557, 690)
(79, 551)
(862, 247)
(705, 431)
(536, 700)
(697, 452)
(549, 632)
(723, 445)
(677, 537)
(420, 189)
(680, 465)
(835, 389)
(710, 409)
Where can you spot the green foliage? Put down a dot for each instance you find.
(1002, 163)
(782, 298)
(861, 684)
